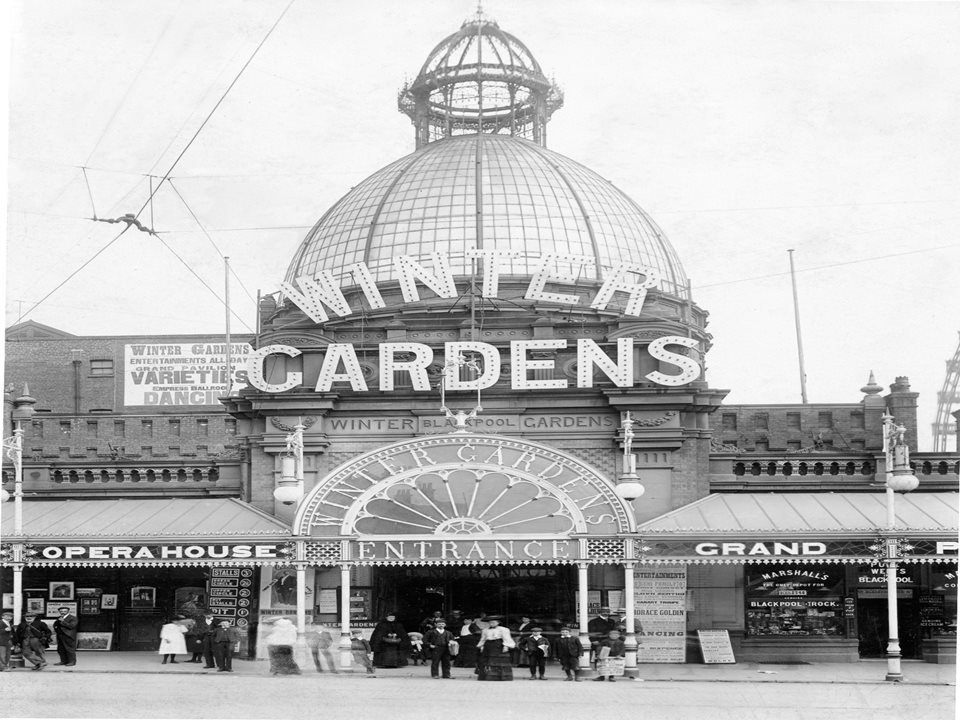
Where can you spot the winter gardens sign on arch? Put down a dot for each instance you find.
(463, 497)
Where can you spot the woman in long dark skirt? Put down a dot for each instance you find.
(283, 637)
(391, 646)
(495, 646)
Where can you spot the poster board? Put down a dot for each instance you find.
(715, 646)
(611, 666)
(660, 609)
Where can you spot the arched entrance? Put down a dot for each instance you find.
(483, 521)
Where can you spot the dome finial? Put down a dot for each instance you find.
(480, 79)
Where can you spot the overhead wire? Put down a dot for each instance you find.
(207, 235)
(166, 175)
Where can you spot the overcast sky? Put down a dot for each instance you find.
(743, 128)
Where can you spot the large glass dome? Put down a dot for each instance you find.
(534, 201)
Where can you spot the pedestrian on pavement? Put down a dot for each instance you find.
(569, 651)
(522, 631)
(494, 647)
(610, 647)
(33, 637)
(194, 641)
(430, 622)
(418, 653)
(319, 641)
(437, 641)
(391, 646)
(282, 638)
(225, 639)
(172, 642)
(7, 639)
(65, 627)
(537, 647)
(361, 651)
(205, 628)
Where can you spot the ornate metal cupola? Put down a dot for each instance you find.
(480, 79)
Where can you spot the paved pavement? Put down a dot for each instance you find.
(135, 686)
(865, 671)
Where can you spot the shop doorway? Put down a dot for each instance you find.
(545, 593)
(873, 628)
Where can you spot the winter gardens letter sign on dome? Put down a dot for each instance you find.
(340, 362)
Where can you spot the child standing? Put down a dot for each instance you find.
(616, 649)
(569, 651)
(537, 647)
(361, 651)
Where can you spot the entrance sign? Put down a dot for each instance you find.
(715, 646)
(483, 551)
(660, 607)
(460, 485)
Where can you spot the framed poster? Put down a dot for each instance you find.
(36, 605)
(89, 606)
(108, 601)
(61, 590)
(7, 601)
(143, 596)
(53, 608)
(94, 640)
(89, 592)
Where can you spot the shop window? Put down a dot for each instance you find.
(796, 600)
(101, 368)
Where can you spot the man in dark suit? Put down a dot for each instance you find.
(205, 628)
(225, 639)
(437, 641)
(33, 637)
(6, 639)
(65, 627)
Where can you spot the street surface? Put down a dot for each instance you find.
(27, 694)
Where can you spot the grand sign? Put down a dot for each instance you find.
(791, 548)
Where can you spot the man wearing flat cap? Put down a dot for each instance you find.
(33, 636)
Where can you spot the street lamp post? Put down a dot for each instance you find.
(899, 478)
(629, 488)
(289, 491)
(13, 449)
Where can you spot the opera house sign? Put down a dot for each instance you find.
(314, 296)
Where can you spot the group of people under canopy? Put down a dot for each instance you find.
(485, 643)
